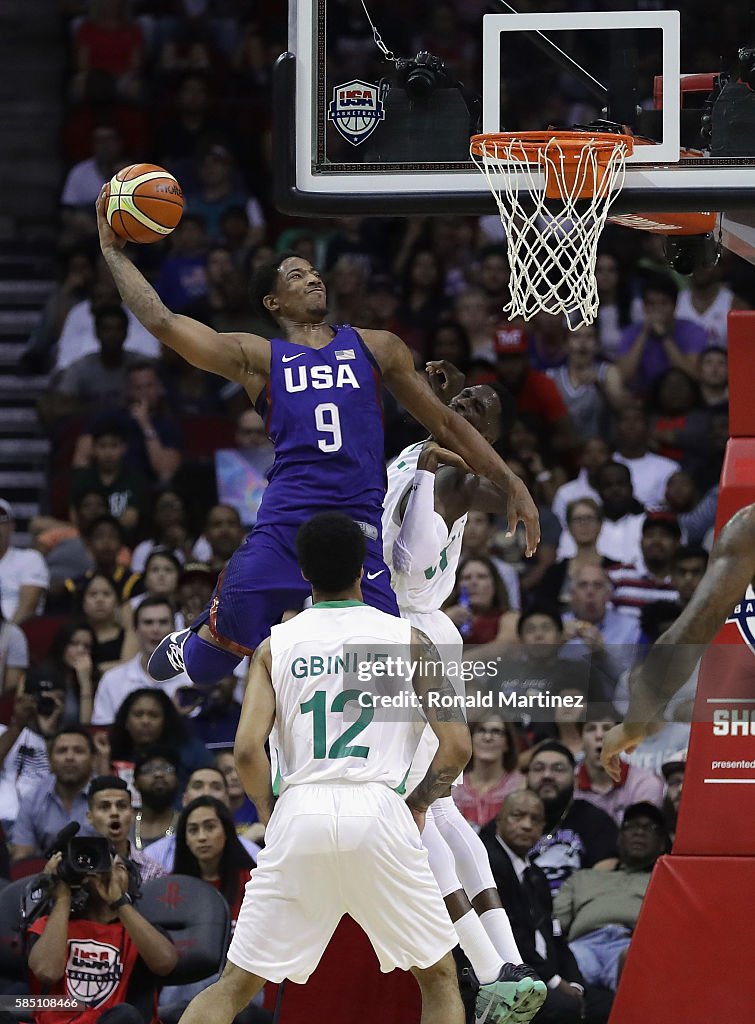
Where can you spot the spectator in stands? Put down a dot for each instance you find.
(598, 910)
(192, 125)
(241, 472)
(707, 303)
(70, 662)
(713, 377)
(681, 428)
(479, 605)
(661, 341)
(195, 588)
(111, 814)
(124, 489)
(78, 337)
(203, 782)
(590, 387)
(524, 892)
(576, 835)
(14, 655)
(492, 278)
(623, 515)
(155, 439)
(219, 307)
(214, 714)
(139, 954)
(218, 189)
(673, 773)
(162, 571)
(221, 536)
(696, 513)
(146, 718)
(471, 311)
(423, 297)
(156, 782)
(23, 748)
(478, 542)
(687, 570)
(77, 278)
(99, 605)
(534, 392)
(60, 800)
(347, 291)
(96, 381)
(592, 623)
(615, 302)
(61, 541)
(24, 577)
(170, 527)
(108, 54)
(532, 570)
(649, 472)
(491, 773)
(183, 278)
(596, 786)
(548, 341)
(207, 847)
(593, 456)
(152, 615)
(85, 179)
(584, 520)
(448, 343)
(241, 807)
(104, 538)
(649, 578)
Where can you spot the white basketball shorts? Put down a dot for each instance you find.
(333, 850)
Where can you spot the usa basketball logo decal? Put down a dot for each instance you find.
(355, 110)
(744, 618)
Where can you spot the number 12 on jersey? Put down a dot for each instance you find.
(328, 421)
(340, 747)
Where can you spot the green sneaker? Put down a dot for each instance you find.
(514, 998)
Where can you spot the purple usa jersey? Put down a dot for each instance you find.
(323, 413)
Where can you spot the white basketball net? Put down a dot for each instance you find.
(553, 243)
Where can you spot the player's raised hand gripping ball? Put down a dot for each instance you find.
(144, 203)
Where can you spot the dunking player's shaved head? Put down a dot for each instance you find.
(490, 409)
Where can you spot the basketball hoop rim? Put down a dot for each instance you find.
(533, 144)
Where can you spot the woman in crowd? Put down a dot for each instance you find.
(450, 341)
(615, 304)
(491, 774)
(479, 604)
(207, 847)
(584, 518)
(70, 660)
(146, 718)
(99, 604)
(161, 574)
(423, 299)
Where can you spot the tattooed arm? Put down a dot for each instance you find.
(448, 724)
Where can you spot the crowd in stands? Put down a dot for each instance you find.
(158, 471)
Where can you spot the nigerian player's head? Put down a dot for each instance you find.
(288, 288)
(490, 409)
(331, 550)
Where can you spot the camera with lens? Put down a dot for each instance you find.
(746, 58)
(84, 855)
(686, 253)
(421, 74)
(40, 684)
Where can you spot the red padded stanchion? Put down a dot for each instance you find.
(691, 957)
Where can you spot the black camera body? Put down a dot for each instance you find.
(84, 855)
(746, 58)
(421, 74)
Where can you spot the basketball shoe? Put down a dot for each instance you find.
(513, 998)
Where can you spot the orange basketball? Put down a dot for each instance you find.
(145, 203)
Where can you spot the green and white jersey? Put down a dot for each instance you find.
(426, 587)
(328, 728)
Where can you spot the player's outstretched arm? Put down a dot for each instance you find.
(233, 356)
(676, 652)
(450, 430)
(255, 724)
(448, 724)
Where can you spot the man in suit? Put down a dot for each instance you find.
(526, 895)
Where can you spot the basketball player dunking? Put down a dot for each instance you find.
(318, 389)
